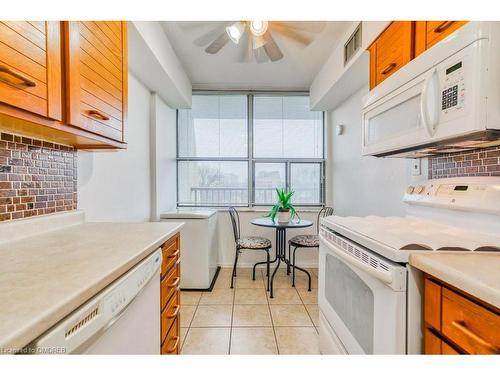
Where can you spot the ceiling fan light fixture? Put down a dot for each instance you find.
(235, 31)
(258, 28)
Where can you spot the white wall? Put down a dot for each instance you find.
(115, 185)
(163, 157)
(305, 257)
(363, 185)
(153, 60)
(336, 81)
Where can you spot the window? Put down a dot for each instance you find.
(236, 149)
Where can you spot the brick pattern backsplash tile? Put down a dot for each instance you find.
(36, 177)
(480, 162)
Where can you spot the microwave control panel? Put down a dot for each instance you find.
(453, 92)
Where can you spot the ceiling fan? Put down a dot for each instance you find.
(257, 37)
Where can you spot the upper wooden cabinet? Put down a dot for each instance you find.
(65, 81)
(402, 41)
(428, 33)
(392, 49)
(96, 71)
(30, 67)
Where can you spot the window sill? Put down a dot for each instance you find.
(249, 209)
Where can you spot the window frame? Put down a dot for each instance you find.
(250, 159)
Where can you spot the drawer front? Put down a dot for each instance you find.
(30, 67)
(432, 304)
(471, 326)
(171, 344)
(171, 254)
(393, 50)
(432, 343)
(438, 30)
(447, 349)
(169, 285)
(170, 314)
(97, 76)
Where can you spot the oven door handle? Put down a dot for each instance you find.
(381, 275)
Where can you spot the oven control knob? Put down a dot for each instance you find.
(419, 189)
(410, 189)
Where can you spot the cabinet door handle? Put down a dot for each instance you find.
(443, 26)
(174, 314)
(174, 347)
(98, 115)
(174, 254)
(388, 68)
(460, 325)
(25, 80)
(175, 282)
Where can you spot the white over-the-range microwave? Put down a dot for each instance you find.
(445, 100)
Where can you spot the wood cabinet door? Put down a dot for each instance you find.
(469, 325)
(96, 76)
(428, 33)
(30, 67)
(392, 50)
(432, 343)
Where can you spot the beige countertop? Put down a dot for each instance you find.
(46, 276)
(477, 274)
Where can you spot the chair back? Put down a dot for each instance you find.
(325, 211)
(235, 220)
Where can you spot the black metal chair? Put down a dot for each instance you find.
(247, 243)
(306, 241)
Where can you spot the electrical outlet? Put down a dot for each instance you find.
(415, 167)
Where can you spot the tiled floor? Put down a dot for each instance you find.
(244, 320)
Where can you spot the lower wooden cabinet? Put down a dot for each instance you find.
(456, 323)
(435, 345)
(170, 299)
(171, 345)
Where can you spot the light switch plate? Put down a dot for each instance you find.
(415, 167)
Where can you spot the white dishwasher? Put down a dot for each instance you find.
(122, 319)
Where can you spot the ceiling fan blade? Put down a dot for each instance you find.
(218, 43)
(292, 34)
(215, 31)
(260, 55)
(309, 26)
(247, 53)
(271, 48)
(258, 41)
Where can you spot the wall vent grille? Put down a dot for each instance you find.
(352, 45)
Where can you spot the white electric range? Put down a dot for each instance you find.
(369, 296)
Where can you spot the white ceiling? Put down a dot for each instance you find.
(295, 71)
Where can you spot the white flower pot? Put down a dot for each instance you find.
(283, 216)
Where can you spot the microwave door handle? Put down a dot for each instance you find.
(430, 83)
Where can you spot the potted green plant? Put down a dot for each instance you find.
(283, 208)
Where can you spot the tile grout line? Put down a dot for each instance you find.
(307, 311)
(190, 322)
(272, 323)
(232, 317)
(232, 320)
